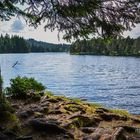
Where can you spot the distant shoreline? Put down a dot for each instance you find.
(83, 53)
(86, 54)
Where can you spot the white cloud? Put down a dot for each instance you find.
(17, 26)
(134, 33)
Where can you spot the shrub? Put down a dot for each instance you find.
(23, 87)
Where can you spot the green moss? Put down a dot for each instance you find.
(36, 97)
(71, 107)
(63, 98)
(95, 105)
(49, 93)
(81, 121)
(6, 106)
(9, 121)
(120, 112)
(76, 100)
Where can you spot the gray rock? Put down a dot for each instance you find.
(26, 114)
(48, 127)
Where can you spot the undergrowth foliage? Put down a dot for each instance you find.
(23, 87)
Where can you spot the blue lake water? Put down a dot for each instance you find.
(111, 81)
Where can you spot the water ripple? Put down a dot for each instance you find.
(111, 81)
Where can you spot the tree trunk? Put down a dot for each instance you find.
(1, 92)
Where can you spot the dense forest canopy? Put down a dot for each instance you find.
(76, 17)
(121, 46)
(96, 46)
(16, 44)
(39, 46)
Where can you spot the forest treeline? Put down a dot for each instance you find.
(16, 44)
(97, 46)
(121, 47)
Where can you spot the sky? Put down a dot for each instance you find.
(18, 26)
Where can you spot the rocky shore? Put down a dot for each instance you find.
(59, 118)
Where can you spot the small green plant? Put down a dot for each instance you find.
(49, 93)
(96, 105)
(23, 87)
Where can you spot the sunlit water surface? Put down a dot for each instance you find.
(111, 81)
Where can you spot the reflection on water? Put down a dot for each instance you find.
(111, 81)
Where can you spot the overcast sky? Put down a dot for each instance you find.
(18, 27)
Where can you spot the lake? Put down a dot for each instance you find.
(111, 81)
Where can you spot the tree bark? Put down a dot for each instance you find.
(1, 94)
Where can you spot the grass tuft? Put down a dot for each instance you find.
(120, 112)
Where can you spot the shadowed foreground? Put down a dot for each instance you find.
(60, 118)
